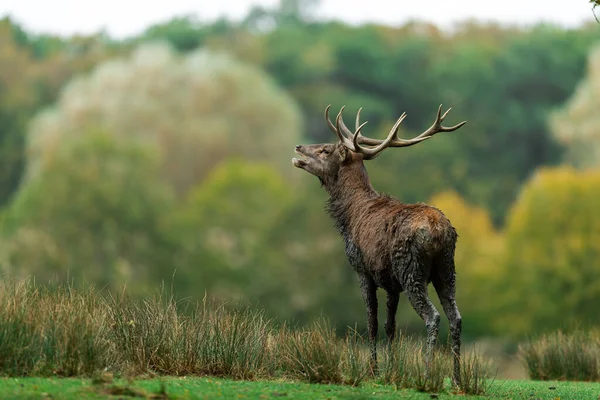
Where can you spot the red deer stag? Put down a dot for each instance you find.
(391, 245)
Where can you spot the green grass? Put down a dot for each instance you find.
(215, 388)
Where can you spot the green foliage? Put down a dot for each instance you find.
(32, 69)
(95, 211)
(508, 103)
(222, 225)
(577, 124)
(560, 356)
(16, 103)
(184, 33)
(241, 198)
(552, 253)
(196, 110)
(304, 255)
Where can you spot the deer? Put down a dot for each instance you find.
(391, 245)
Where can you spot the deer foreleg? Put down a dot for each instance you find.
(369, 293)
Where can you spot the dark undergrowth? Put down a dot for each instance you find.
(64, 332)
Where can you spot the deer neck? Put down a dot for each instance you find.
(349, 194)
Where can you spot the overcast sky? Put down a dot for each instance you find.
(123, 18)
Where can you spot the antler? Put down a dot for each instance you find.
(353, 140)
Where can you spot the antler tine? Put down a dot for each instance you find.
(336, 128)
(347, 132)
(437, 124)
(433, 129)
(329, 123)
(371, 153)
(356, 126)
(356, 136)
(339, 124)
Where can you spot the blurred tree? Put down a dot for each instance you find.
(293, 11)
(577, 124)
(304, 256)
(222, 223)
(95, 212)
(32, 68)
(195, 110)
(17, 101)
(185, 33)
(553, 253)
(509, 102)
(286, 14)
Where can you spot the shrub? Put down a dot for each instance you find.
(560, 356)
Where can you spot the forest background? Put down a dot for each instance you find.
(164, 158)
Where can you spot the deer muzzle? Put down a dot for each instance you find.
(299, 162)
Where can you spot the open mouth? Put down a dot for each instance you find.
(299, 162)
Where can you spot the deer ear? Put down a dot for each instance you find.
(344, 153)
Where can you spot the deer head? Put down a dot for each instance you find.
(325, 160)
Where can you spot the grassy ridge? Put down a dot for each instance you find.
(216, 388)
(62, 332)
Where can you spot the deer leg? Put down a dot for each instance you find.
(417, 295)
(369, 293)
(445, 289)
(392, 307)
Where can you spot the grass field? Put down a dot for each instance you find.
(211, 388)
(49, 334)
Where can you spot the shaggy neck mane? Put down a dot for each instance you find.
(348, 194)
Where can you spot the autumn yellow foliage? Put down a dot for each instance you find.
(553, 253)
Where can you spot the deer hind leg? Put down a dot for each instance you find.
(411, 274)
(417, 295)
(369, 293)
(445, 285)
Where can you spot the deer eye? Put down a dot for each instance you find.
(325, 151)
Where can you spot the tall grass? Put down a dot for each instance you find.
(404, 366)
(475, 374)
(65, 332)
(52, 331)
(155, 336)
(560, 356)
